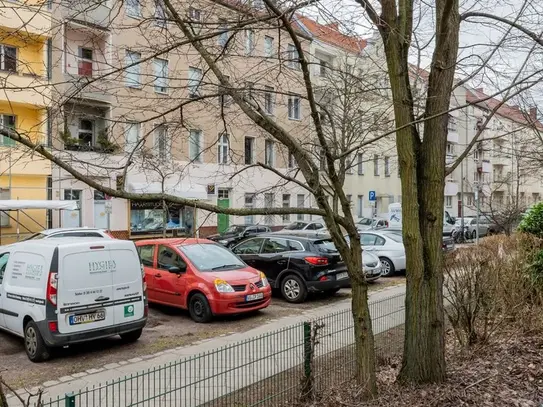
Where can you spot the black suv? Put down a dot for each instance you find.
(237, 233)
(296, 264)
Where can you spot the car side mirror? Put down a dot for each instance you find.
(178, 269)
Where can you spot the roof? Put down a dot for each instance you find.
(52, 231)
(176, 241)
(476, 96)
(67, 241)
(16, 204)
(330, 34)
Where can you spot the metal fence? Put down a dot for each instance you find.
(261, 371)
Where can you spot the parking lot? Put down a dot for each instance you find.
(167, 328)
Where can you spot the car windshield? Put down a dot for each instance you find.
(326, 246)
(296, 226)
(365, 222)
(36, 236)
(235, 229)
(211, 257)
(395, 236)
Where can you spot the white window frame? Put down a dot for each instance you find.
(249, 42)
(360, 163)
(294, 100)
(194, 81)
(133, 73)
(161, 78)
(286, 204)
(3, 57)
(291, 161)
(252, 143)
(223, 38)
(268, 46)
(293, 58)
(269, 153)
(130, 145)
(300, 203)
(198, 156)
(167, 144)
(269, 202)
(269, 102)
(6, 141)
(5, 193)
(160, 14)
(376, 171)
(449, 201)
(249, 219)
(387, 166)
(223, 143)
(133, 8)
(195, 14)
(360, 204)
(81, 131)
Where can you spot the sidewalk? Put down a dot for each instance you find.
(192, 375)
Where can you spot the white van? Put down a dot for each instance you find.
(57, 292)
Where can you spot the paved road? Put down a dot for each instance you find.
(222, 365)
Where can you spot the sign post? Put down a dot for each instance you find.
(109, 209)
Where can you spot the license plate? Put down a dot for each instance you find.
(87, 318)
(341, 276)
(254, 297)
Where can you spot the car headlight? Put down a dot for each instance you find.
(223, 287)
(265, 282)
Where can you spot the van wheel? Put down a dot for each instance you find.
(293, 289)
(199, 309)
(131, 336)
(36, 349)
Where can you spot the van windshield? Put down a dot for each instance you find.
(211, 257)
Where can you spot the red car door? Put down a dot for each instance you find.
(148, 259)
(167, 277)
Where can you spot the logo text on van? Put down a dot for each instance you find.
(102, 266)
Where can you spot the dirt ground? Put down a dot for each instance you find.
(167, 328)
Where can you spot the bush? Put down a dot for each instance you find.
(532, 222)
(492, 284)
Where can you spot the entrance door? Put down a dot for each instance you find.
(72, 219)
(100, 215)
(223, 201)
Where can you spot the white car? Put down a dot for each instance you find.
(372, 266)
(57, 292)
(388, 246)
(301, 226)
(70, 232)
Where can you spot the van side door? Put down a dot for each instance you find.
(4, 257)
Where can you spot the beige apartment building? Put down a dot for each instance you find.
(124, 99)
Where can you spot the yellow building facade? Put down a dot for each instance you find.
(25, 33)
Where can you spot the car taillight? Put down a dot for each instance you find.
(317, 261)
(53, 326)
(143, 281)
(52, 287)
(323, 278)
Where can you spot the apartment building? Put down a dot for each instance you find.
(124, 98)
(25, 33)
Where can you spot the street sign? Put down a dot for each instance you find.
(372, 196)
(109, 207)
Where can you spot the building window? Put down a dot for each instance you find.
(291, 160)
(7, 122)
(349, 199)
(132, 136)
(85, 132)
(224, 35)
(195, 79)
(448, 201)
(224, 98)
(470, 199)
(249, 42)
(161, 75)
(293, 59)
(269, 199)
(452, 125)
(300, 202)
(269, 159)
(8, 58)
(268, 100)
(133, 8)
(84, 63)
(360, 163)
(249, 150)
(322, 160)
(268, 46)
(161, 142)
(360, 206)
(387, 166)
(195, 146)
(160, 14)
(145, 216)
(348, 164)
(258, 4)
(72, 194)
(294, 107)
(450, 149)
(376, 165)
(195, 14)
(132, 62)
(323, 67)
(4, 218)
(249, 90)
(286, 204)
(223, 148)
(249, 204)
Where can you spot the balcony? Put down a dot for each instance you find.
(484, 166)
(451, 188)
(95, 12)
(25, 89)
(36, 20)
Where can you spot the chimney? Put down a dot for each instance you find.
(533, 113)
(334, 26)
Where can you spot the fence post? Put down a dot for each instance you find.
(307, 350)
(69, 400)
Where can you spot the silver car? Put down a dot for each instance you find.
(388, 247)
(372, 266)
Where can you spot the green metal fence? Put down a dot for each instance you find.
(270, 369)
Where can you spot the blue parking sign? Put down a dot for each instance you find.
(372, 196)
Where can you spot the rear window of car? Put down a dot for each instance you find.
(325, 246)
(395, 236)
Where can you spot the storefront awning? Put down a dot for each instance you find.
(180, 190)
(15, 204)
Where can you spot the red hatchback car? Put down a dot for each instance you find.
(201, 276)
